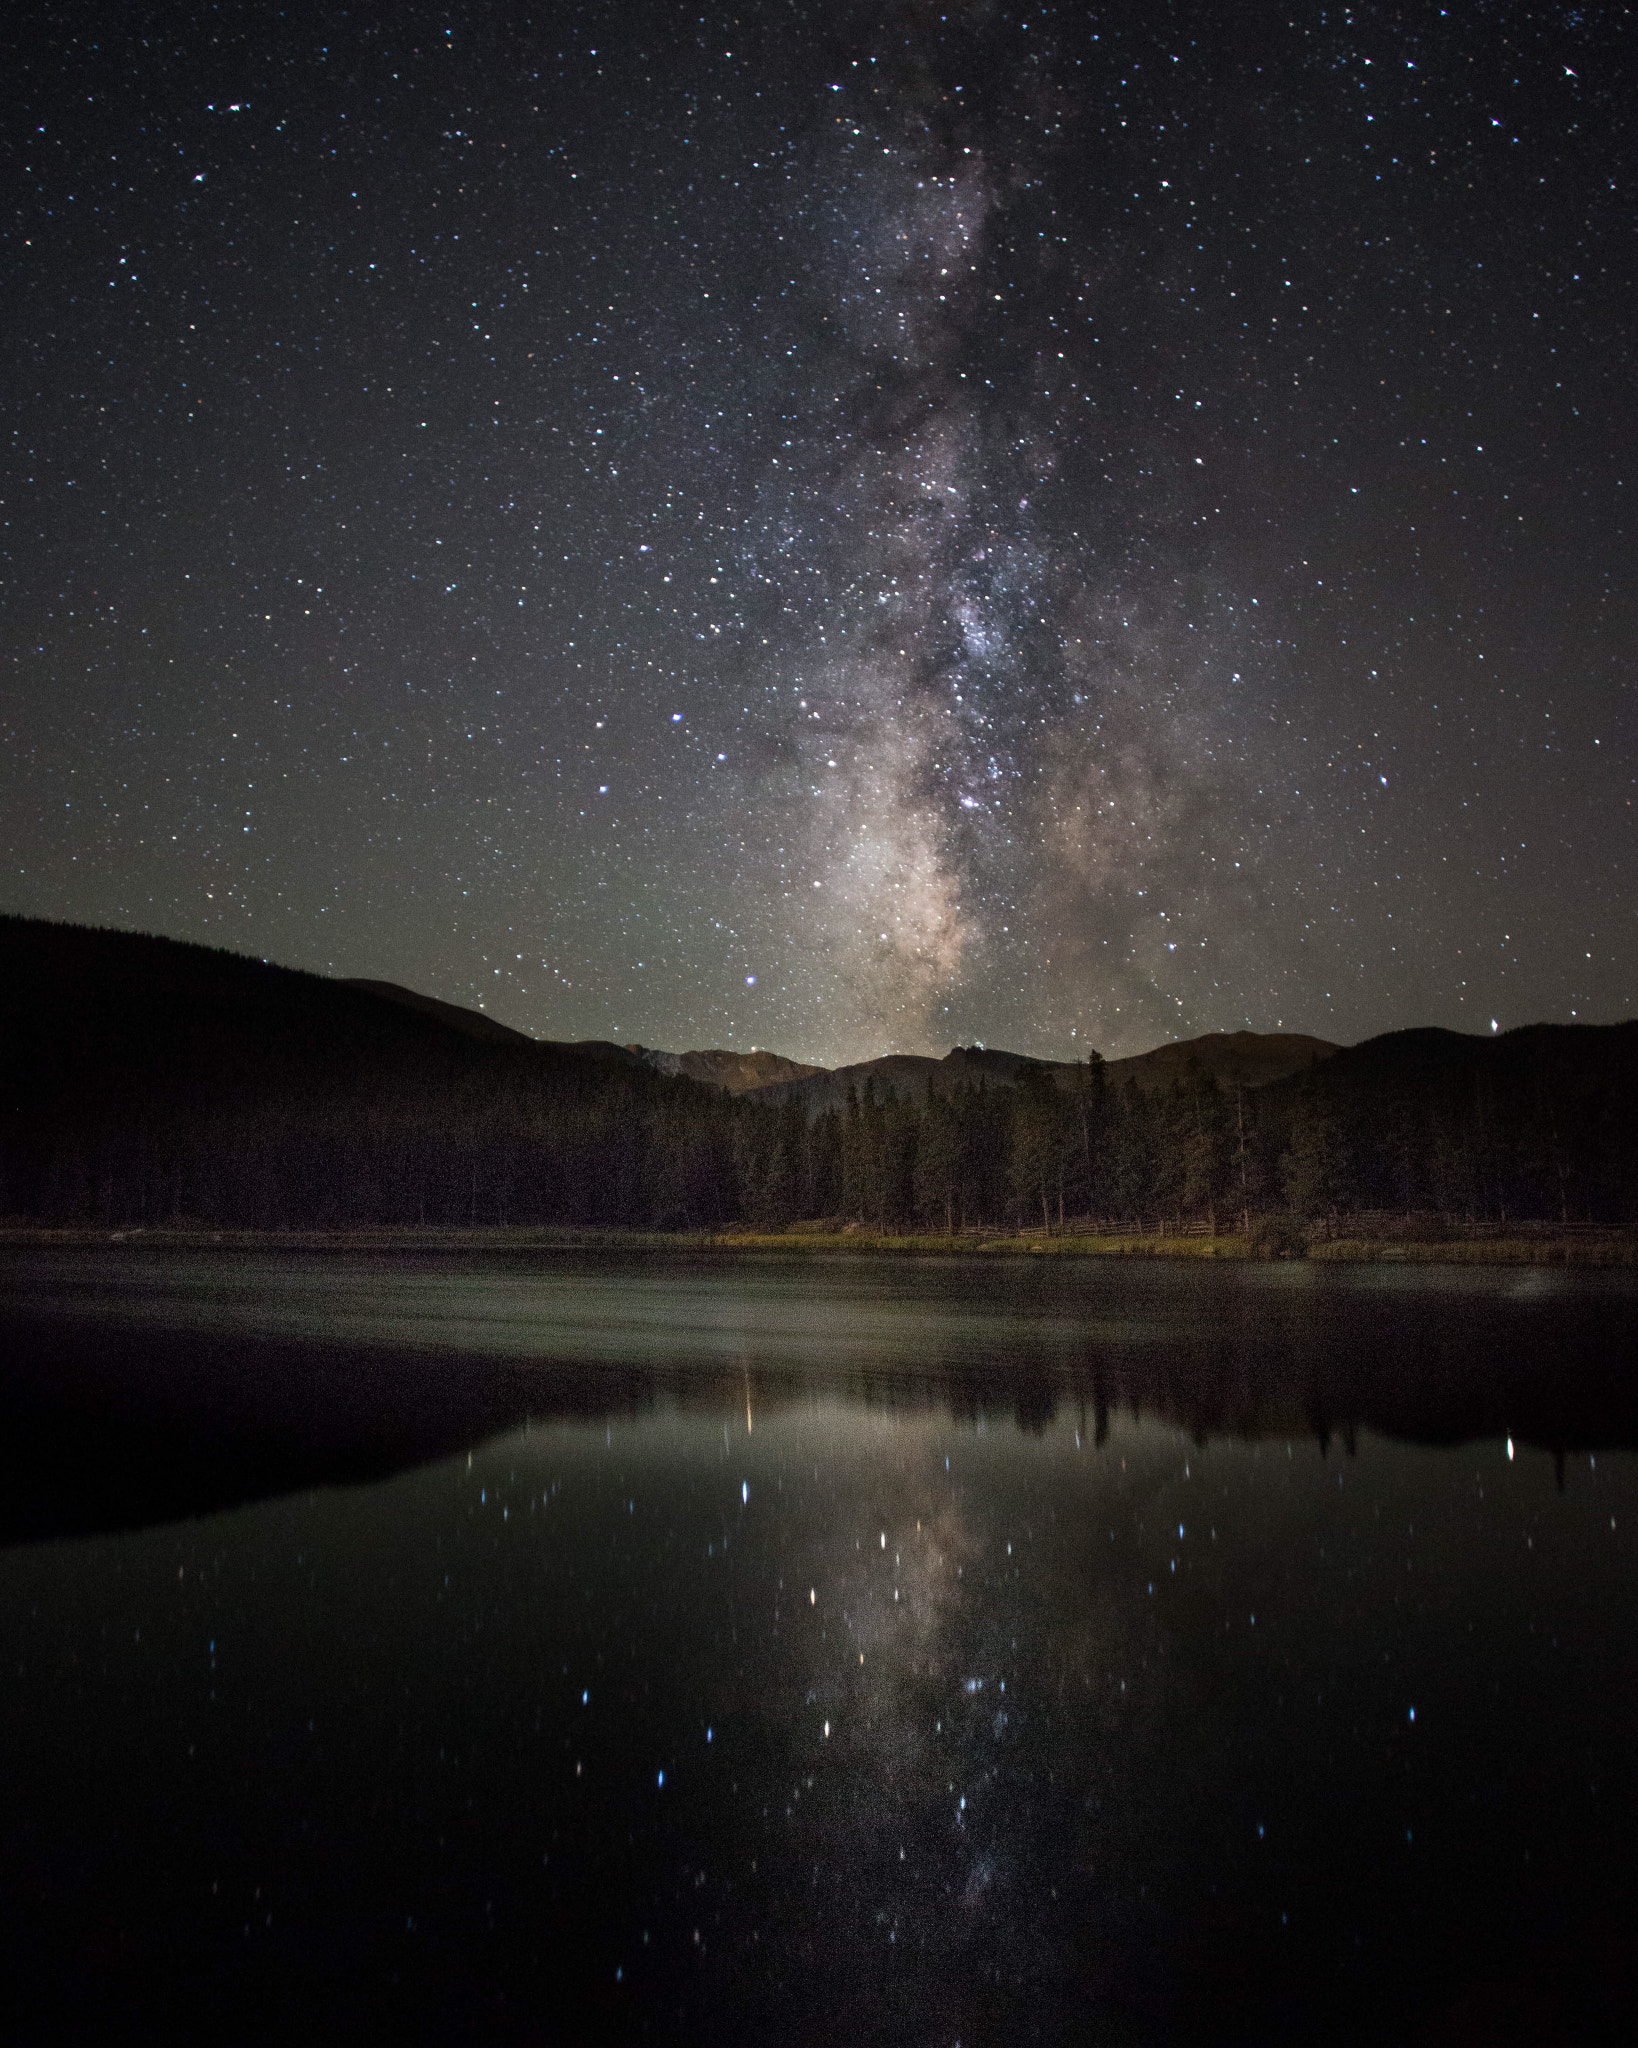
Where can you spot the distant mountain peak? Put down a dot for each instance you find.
(1232, 1058)
(735, 1072)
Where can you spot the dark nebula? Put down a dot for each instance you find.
(839, 528)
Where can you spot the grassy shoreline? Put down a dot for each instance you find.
(1615, 1248)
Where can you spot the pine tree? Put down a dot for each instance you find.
(1311, 1165)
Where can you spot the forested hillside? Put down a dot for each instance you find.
(146, 1081)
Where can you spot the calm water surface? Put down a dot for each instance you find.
(517, 1649)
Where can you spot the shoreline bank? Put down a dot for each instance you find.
(1603, 1249)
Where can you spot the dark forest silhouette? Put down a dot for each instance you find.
(148, 1081)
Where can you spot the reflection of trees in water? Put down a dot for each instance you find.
(1445, 1375)
(126, 1426)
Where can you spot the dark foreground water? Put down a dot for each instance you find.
(833, 1651)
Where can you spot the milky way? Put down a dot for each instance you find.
(835, 529)
(980, 798)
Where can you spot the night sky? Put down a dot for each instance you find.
(836, 529)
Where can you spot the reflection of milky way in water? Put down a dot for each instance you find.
(846, 1659)
(1016, 1786)
(918, 1723)
(927, 1804)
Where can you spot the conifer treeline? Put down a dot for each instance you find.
(147, 1081)
(501, 1137)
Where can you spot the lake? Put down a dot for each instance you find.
(521, 1648)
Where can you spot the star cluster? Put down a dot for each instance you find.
(838, 528)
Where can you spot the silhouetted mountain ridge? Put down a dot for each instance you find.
(145, 1080)
(739, 1073)
(1245, 1058)
(472, 1023)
